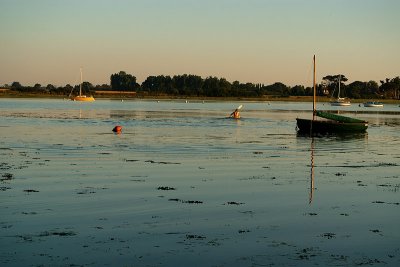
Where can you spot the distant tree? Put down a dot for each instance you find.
(396, 87)
(103, 87)
(298, 90)
(252, 90)
(331, 83)
(224, 87)
(310, 91)
(235, 88)
(334, 79)
(211, 87)
(179, 83)
(195, 84)
(87, 87)
(16, 85)
(357, 89)
(159, 85)
(390, 87)
(372, 88)
(277, 88)
(50, 87)
(123, 82)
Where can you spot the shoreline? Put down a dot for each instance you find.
(127, 96)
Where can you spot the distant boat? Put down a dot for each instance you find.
(340, 101)
(81, 97)
(373, 104)
(330, 123)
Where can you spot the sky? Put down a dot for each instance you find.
(257, 41)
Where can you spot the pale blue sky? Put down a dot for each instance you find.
(259, 41)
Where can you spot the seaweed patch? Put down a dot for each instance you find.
(186, 201)
(166, 188)
(57, 233)
(6, 177)
(161, 162)
(31, 191)
(198, 237)
(328, 235)
(233, 203)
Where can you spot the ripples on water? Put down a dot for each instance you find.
(184, 186)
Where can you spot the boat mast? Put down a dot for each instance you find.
(80, 85)
(314, 86)
(338, 96)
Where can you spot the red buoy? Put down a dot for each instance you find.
(117, 129)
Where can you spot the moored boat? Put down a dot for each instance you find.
(328, 123)
(331, 123)
(340, 101)
(81, 97)
(373, 104)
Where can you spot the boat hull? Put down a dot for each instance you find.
(373, 105)
(340, 104)
(83, 98)
(307, 126)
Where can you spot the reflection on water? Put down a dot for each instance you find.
(184, 186)
(340, 137)
(312, 171)
(346, 141)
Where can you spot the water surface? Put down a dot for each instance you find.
(184, 186)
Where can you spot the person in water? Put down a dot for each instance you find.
(235, 114)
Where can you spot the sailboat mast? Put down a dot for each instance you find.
(80, 85)
(314, 91)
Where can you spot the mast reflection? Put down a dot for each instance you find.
(312, 172)
(352, 141)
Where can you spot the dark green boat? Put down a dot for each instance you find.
(330, 123)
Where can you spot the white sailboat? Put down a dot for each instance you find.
(340, 101)
(81, 97)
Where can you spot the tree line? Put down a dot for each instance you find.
(194, 85)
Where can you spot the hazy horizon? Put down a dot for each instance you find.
(253, 41)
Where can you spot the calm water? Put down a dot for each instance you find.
(183, 186)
